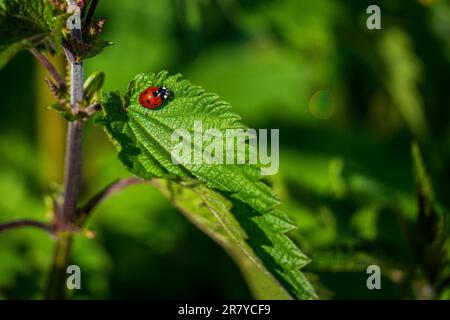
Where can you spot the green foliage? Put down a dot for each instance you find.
(347, 181)
(94, 48)
(86, 49)
(26, 23)
(217, 217)
(147, 144)
(92, 44)
(63, 109)
(144, 144)
(431, 228)
(423, 181)
(92, 87)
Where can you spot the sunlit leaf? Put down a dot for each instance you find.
(26, 23)
(143, 140)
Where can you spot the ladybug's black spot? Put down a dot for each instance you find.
(165, 93)
(148, 101)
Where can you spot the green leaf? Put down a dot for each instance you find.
(25, 23)
(94, 48)
(63, 109)
(92, 86)
(215, 215)
(144, 141)
(82, 50)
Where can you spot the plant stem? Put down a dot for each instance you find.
(114, 187)
(74, 137)
(26, 223)
(55, 285)
(73, 169)
(50, 68)
(72, 178)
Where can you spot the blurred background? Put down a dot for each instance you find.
(348, 102)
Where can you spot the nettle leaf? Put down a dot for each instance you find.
(227, 223)
(89, 48)
(144, 141)
(25, 23)
(95, 48)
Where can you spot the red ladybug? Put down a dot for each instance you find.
(153, 97)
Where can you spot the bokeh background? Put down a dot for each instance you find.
(348, 102)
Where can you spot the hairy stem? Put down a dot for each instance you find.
(74, 137)
(73, 167)
(72, 178)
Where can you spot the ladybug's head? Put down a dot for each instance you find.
(164, 93)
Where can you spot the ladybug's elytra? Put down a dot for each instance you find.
(153, 97)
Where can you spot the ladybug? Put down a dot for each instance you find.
(153, 97)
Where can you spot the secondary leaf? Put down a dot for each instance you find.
(144, 141)
(213, 214)
(29, 23)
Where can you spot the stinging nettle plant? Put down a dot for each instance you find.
(229, 203)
